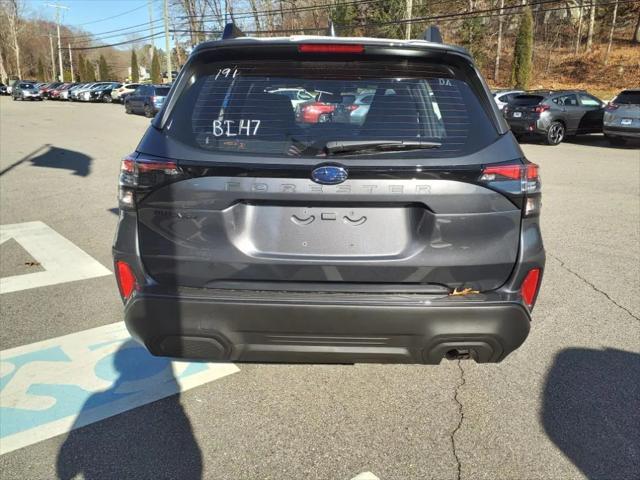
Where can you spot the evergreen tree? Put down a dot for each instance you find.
(66, 76)
(155, 69)
(91, 71)
(135, 70)
(103, 69)
(523, 52)
(41, 73)
(82, 69)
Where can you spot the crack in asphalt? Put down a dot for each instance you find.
(460, 409)
(576, 274)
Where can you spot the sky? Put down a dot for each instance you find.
(98, 16)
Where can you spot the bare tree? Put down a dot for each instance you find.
(592, 21)
(636, 32)
(613, 27)
(496, 70)
(254, 9)
(3, 72)
(12, 10)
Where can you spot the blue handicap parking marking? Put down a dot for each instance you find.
(51, 387)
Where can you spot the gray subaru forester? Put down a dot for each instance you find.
(257, 226)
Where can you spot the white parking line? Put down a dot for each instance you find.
(62, 260)
(51, 387)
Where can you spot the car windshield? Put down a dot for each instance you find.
(27, 86)
(248, 108)
(628, 98)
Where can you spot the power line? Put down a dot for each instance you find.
(114, 16)
(133, 40)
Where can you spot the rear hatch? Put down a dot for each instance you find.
(234, 190)
(624, 111)
(523, 108)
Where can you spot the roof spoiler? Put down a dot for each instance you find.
(231, 31)
(432, 34)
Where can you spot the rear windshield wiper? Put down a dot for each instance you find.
(352, 146)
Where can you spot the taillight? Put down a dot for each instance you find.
(541, 108)
(140, 175)
(516, 179)
(330, 48)
(127, 282)
(611, 107)
(352, 107)
(529, 288)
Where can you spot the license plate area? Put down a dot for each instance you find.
(626, 121)
(517, 114)
(319, 231)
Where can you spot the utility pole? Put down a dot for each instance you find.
(70, 62)
(53, 58)
(151, 47)
(166, 40)
(57, 6)
(408, 16)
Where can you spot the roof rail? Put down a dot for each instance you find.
(231, 31)
(432, 34)
(331, 31)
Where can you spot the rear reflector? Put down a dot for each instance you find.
(529, 287)
(330, 48)
(127, 282)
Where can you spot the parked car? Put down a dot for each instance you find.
(102, 93)
(124, 89)
(78, 94)
(146, 99)
(555, 115)
(622, 117)
(72, 91)
(3, 89)
(360, 107)
(323, 108)
(54, 94)
(246, 234)
(503, 97)
(46, 88)
(25, 91)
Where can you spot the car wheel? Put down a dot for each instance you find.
(127, 108)
(107, 99)
(555, 134)
(148, 112)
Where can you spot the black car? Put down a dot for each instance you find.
(146, 99)
(3, 89)
(246, 234)
(103, 94)
(555, 115)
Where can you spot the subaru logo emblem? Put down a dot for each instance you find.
(329, 175)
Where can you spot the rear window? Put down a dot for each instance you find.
(287, 108)
(526, 100)
(628, 98)
(162, 91)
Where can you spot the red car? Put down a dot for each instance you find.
(54, 94)
(325, 108)
(47, 87)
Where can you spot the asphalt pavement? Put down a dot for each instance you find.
(565, 405)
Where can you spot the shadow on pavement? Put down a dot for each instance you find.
(154, 441)
(54, 157)
(591, 411)
(601, 141)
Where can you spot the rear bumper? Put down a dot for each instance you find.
(616, 131)
(244, 326)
